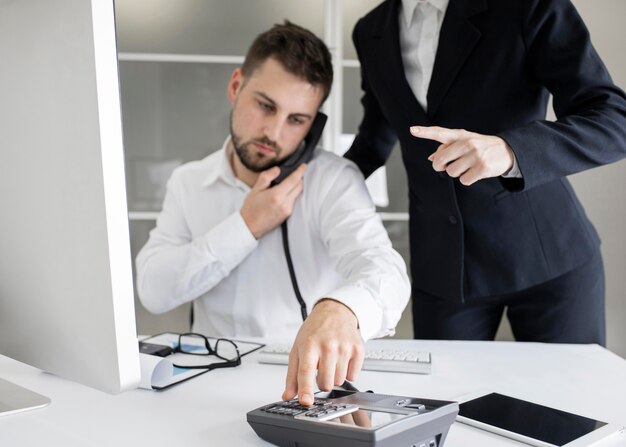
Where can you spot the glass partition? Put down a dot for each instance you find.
(218, 27)
(172, 113)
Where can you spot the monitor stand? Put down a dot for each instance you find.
(14, 399)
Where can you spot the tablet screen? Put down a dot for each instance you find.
(525, 418)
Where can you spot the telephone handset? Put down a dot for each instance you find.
(305, 152)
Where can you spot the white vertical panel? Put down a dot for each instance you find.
(114, 180)
(66, 297)
(333, 106)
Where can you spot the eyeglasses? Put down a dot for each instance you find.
(198, 345)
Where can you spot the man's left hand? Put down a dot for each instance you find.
(329, 344)
(467, 155)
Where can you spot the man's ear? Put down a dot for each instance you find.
(234, 84)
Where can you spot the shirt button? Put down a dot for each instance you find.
(453, 220)
(443, 175)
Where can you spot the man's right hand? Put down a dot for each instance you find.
(267, 207)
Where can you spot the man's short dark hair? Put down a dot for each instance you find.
(298, 50)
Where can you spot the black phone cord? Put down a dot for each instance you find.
(292, 273)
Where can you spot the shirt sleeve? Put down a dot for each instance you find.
(376, 286)
(514, 172)
(174, 268)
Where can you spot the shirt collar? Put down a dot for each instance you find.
(223, 170)
(408, 7)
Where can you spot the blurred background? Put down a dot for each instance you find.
(175, 62)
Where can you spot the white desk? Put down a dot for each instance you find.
(210, 410)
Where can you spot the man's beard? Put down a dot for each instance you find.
(247, 156)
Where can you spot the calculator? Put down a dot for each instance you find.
(342, 418)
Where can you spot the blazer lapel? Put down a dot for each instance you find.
(390, 64)
(457, 39)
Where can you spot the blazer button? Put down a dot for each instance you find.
(453, 220)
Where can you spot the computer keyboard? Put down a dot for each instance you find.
(392, 360)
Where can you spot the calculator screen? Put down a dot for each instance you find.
(368, 418)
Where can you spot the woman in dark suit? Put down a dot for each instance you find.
(494, 223)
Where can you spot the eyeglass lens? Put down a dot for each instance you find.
(194, 344)
(226, 349)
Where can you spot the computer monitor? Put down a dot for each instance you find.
(66, 290)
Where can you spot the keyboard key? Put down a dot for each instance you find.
(392, 360)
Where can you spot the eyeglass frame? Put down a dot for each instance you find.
(225, 364)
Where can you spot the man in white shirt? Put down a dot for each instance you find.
(217, 241)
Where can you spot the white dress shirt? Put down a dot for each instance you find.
(420, 24)
(202, 250)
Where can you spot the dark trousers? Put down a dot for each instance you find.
(567, 309)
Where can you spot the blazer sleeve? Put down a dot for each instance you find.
(375, 139)
(591, 111)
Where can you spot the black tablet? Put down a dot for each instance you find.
(531, 423)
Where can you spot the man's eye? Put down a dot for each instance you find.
(296, 120)
(265, 106)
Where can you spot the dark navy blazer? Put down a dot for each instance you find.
(496, 64)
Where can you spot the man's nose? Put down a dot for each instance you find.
(273, 127)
